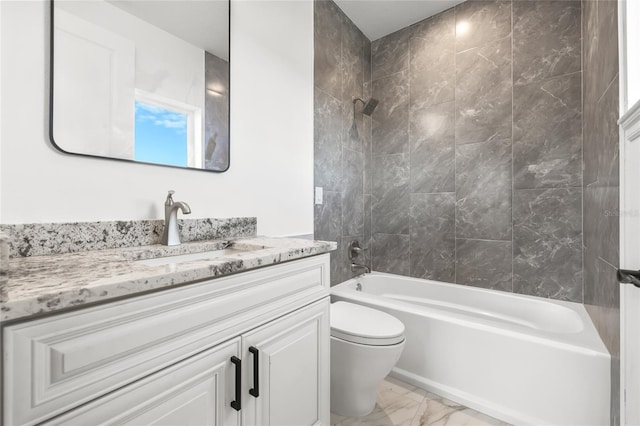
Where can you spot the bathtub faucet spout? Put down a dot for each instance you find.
(355, 267)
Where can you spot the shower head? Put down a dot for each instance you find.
(369, 105)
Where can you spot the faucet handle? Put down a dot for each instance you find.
(169, 200)
(355, 249)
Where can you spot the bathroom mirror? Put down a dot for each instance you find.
(142, 80)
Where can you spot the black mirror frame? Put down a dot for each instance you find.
(51, 109)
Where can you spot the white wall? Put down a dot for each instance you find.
(271, 174)
(1, 97)
(633, 53)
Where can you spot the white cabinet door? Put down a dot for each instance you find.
(197, 391)
(289, 383)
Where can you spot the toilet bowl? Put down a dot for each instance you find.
(365, 345)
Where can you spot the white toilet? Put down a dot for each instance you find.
(365, 345)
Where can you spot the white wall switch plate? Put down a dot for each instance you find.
(318, 195)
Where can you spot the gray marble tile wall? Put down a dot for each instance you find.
(475, 169)
(477, 131)
(476, 173)
(342, 143)
(477, 148)
(601, 180)
(216, 117)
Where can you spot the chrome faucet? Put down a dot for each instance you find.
(170, 234)
(355, 267)
(354, 252)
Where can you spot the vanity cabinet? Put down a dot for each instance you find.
(259, 339)
(195, 391)
(287, 370)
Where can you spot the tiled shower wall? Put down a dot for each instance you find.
(477, 148)
(342, 65)
(473, 163)
(601, 179)
(216, 117)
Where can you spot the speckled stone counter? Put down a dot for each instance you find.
(42, 284)
(38, 239)
(4, 263)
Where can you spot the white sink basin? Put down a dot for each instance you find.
(205, 255)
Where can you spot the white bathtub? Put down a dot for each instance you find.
(522, 359)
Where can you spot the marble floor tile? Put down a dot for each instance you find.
(391, 390)
(401, 404)
(438, 411)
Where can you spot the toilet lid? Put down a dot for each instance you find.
(359, 324)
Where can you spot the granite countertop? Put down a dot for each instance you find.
(41, 284)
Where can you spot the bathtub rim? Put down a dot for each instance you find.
(586, 341)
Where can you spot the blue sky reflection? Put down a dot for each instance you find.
(160, 135)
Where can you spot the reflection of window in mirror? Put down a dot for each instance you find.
(160, 135)
(165, 131)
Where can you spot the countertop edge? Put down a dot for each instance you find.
(23, 303)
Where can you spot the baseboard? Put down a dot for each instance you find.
(464, 398)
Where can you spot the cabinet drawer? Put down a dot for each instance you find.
(196, 391)
(54, 364)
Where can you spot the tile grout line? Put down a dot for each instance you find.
(361, 141)
(408, 76)
(582, 165)
(371, 239)
(455, 149)
(342, 149)
(513, 180)
(362, 243)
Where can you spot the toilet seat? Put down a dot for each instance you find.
(363, 325)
